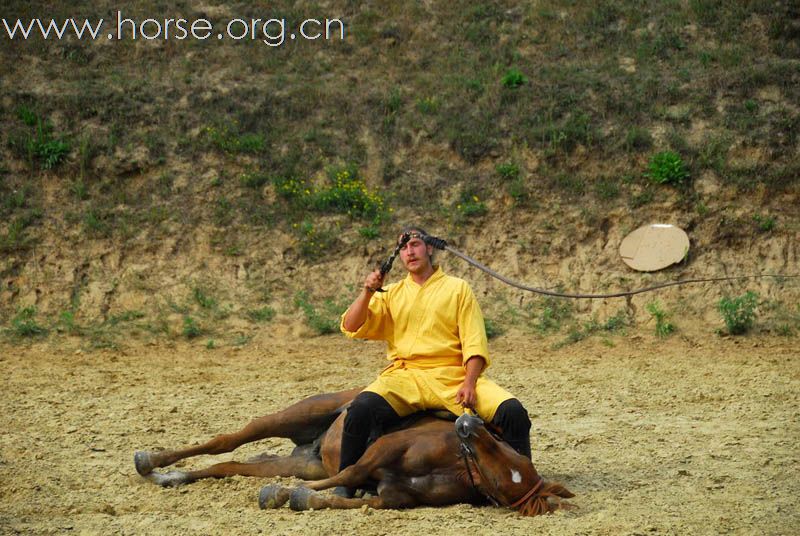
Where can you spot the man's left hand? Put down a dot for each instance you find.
(466, 396)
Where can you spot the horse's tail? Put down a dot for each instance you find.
(547, 500)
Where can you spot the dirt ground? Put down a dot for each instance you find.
(692, 435)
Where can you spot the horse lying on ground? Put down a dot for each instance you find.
(428, 462)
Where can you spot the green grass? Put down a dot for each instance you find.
(513, 78)
(229, 138)
(667, 167)
(739, 312)
(264, 314)
(323, 318)
(25, 325)
(469, 205)
(38, 143)
(191, 329)
(493, 329)
(17, 239)
(765, 224)
(663, 326)
(321, 142)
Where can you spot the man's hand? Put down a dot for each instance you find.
(356, 314)
(373, 281)
(466, 395)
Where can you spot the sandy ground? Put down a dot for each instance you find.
(693, 435)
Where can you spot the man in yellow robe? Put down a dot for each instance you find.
(437, 346)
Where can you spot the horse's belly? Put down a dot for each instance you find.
(435, 489)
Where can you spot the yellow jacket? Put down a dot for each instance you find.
(437, 324)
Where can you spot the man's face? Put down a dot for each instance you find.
(416, 255)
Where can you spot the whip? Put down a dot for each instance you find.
(442, 244)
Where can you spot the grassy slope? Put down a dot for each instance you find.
(219, 141)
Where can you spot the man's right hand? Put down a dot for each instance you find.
(356, 314)
(374, 281)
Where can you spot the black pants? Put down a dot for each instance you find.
(369, 414)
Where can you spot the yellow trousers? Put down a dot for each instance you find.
(409, 387)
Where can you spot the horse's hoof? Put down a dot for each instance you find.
(298, 501)
(272, 496)
(141, 459)
(169, 480)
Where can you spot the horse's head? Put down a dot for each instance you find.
(504, 475)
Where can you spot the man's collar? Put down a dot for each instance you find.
(437, 274)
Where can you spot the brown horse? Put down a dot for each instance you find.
(426, 461)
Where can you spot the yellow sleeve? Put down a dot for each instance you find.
(376, 325)
(471, 328)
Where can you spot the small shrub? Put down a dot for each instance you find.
(97, 223)
(739, 312)
(67, 324)
(203, 300)
(663, 326)
(51, 152)
(615, 323)
(125, 316)
(348, 194)
(554, 311)
(370, 232)
(576, 334)
(293, 190)
(325, 321)
(27, 116)
(16, 239)
(254, 180)
(508, 171)
(265, 314)
(492, 329)
(191, 329)
(79, 190)
(428, 105)
(514, 78)
(24, 324)
(470, 205)
(15, 199)
(764, 224)
(230, 140)
(313, 241)
(40, 144)
(667, 167)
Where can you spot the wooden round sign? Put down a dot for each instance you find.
(654, 247)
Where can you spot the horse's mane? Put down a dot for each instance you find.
(540, 502)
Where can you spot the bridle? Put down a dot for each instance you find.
(468, 455)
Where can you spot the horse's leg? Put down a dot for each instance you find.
(302, 466)
(389, 497)
(382, 453)
(302, 422)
